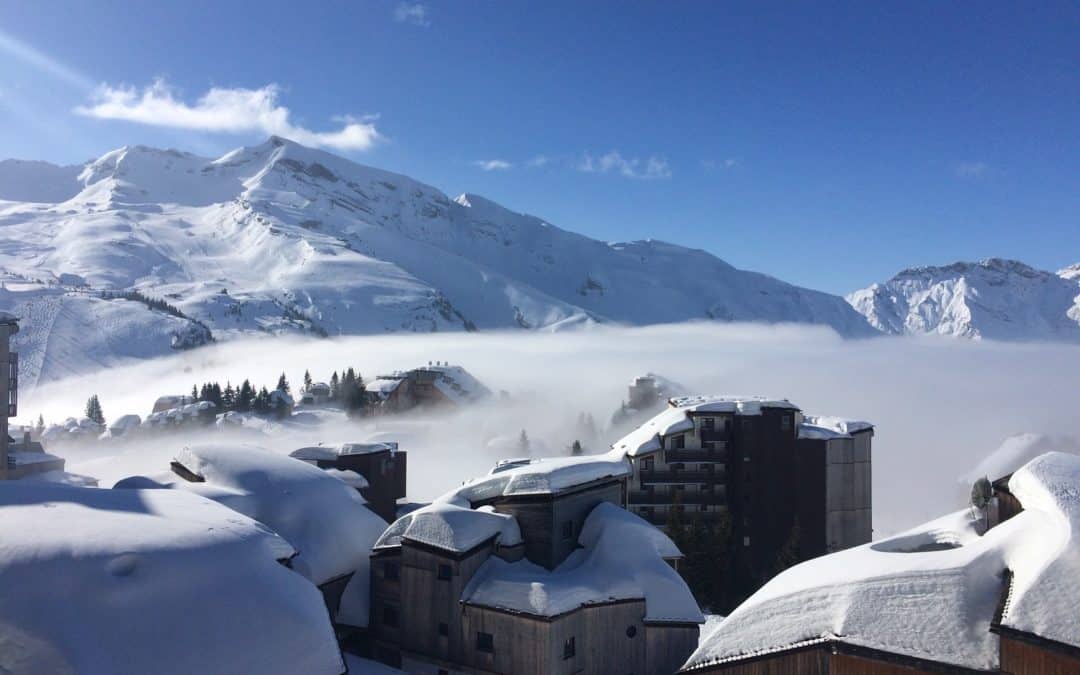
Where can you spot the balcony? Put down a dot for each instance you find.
(716, 476)
(688, 516)
(685, 455)
(641, 497)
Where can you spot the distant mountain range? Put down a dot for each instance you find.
(994, 299)
(143, 251)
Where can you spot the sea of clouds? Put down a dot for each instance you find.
(940, 406)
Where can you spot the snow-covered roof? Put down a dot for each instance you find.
(383, 386)
(124, 423)
(622, 557)
(9, 319)
(322, 517)
(930, 592)
(332, 452)
(350, 478)
(150, 581)
(836, 425)
(544, 476)
(675, 418)
(281, 397)
(451, 527)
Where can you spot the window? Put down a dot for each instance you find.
(708, 424)
(746, 541)
(569, 648)
(445, 572)
(485, 642)
(444, 630)
(390, 571)
(678, 442)
(444, 671)
(680, 487)
(631, 631)
(785, 422)
(389, 616)
(647, 464)
(568, 529)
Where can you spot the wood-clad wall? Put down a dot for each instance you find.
(805, 662)
(1022, 658)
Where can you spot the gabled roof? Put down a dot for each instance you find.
(931, 592)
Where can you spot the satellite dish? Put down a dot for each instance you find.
(981, 493)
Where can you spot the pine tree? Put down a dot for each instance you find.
(245, 397)
(194, 393)
(523, 442)
(93, 409)
(575, 449)
(228, 397)
(283, 384)
(40, 428)
(334, 387)
(307, 380)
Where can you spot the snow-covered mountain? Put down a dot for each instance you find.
(994, 299)
(279, 237)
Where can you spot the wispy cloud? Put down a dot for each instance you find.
(538, 161)
(493, 164)
(43, 62)
(224, 110)
(970, 169)
(650, 168)
(415, 13)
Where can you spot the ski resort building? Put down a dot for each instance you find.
(949, 596)
(9, 387)
(434, 385)
(534, 568)
(381, 466)
(759, 462)
(317, 394)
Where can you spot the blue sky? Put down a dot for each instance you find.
(827, 144)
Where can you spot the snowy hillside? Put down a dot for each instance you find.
(994, 299)
(281, 238)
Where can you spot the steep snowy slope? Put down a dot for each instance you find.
(33, 181)
(995, 298)
(279, 237)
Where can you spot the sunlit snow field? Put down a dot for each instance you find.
(939, 405)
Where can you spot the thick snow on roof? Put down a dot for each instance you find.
(674, 418)
(383, 386)
(543, 476)
(150, 581)
(458, 384)
(622, 558)
(332, 452)
(350, 478)
(452, 527)
(322, 517)
(837, 425)
(930, 592)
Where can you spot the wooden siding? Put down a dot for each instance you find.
(812, 661)
(849, 664)
(1025, 658)
(667, 647)
(541, 519)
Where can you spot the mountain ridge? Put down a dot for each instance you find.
(277, 237)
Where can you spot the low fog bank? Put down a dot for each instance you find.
(940, 405)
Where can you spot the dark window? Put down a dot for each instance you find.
(390, 571)
(647, 464)
(389, 615)
(485, 642)
(445, 572)
(680, 486)
(569, 648)
(679, 442)
(708, 424)
(568, 529)
(785, 422)
(444, 630)
(444, 671)
(631, 631)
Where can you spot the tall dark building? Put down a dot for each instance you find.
(761, 462)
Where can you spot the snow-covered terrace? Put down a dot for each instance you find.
(332, 452)
(930, 593)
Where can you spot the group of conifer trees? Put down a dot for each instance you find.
(346, 390)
